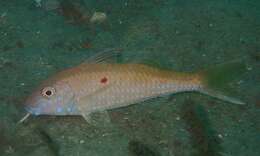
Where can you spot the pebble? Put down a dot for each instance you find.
(240, 82)
(249, 68)
(38, 3)
(9, 150)
(220, 136)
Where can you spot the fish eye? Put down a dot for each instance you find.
(48, 91)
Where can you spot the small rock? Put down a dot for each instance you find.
(163, 142)
(3, 15)
(249, 68)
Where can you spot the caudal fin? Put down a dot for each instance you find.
(216, 80)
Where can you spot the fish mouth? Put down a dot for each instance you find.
(35, 105)
(33, 111)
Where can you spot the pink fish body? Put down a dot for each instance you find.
(92, 87)
(95, 87)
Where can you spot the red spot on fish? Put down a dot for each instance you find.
(103, 80)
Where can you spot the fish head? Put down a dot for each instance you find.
(52, 99)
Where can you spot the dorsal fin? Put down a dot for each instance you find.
(115, 55)
(105, 56)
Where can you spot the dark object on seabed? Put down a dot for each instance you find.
(52, 145)
(74, 12)
(137, 148)
(203, 138)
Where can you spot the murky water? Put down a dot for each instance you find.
(41, 37)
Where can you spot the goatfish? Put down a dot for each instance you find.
(98, 85)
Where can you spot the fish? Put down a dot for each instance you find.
(98, 85)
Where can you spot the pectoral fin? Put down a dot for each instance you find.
(87, 107)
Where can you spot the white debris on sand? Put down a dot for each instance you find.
(50, 5)
(47, 4)
(98, 17)
(81, 141)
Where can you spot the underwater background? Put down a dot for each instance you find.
(41, 37)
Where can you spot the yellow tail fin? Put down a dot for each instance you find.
(216, 80)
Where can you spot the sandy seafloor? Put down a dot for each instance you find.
(185, 35)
